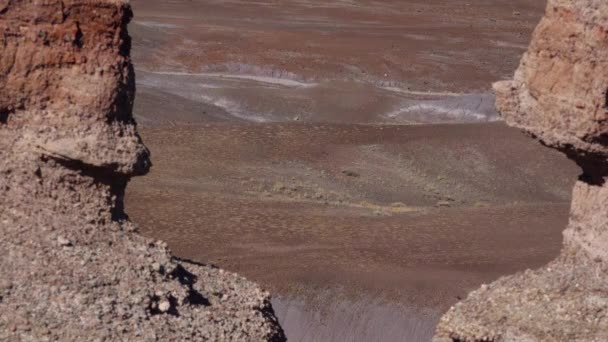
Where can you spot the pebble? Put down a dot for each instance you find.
(63, 241)
(164, 306)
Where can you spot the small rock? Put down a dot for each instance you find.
(164, 306)
(443, 204)
(350, 173)
(63, 241)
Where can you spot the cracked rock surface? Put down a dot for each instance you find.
(558, 96)
(73, 267)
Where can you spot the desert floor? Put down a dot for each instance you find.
(344, 154)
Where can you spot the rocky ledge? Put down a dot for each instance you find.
(73, 267)
(558, 96)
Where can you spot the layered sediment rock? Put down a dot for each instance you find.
(559, 96)
(72, 267)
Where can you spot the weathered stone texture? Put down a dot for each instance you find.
(559, 96)
(72, 268)
(559, 91)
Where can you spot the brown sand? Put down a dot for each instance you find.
(453, 45)
(363, 232)
(410, 216)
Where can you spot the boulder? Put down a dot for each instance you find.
(559, 97)
(73, 267)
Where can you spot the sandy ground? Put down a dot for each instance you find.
(304, 145)
(399, 62)
(373, 217)
(457, 45)
(207, 97)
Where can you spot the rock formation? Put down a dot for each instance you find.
(559, 96)
(72, 267)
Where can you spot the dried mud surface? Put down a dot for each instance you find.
(435, 45)
(304, 145)
(356, 220)
(341, 61)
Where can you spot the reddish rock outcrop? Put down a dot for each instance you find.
(559, 96)
(72, 266)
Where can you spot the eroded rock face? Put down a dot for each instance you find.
(559, 96)
(72, 268)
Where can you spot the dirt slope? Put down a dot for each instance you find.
(413, 217)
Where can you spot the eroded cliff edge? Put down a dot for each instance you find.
(558, 96)
(72, 266)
